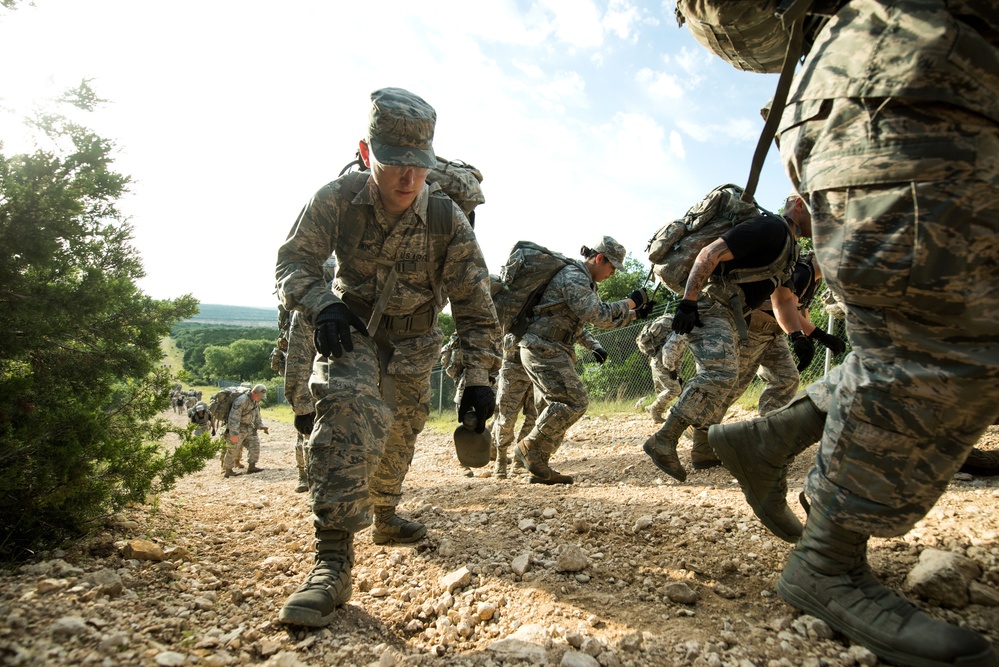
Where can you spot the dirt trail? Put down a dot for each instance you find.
(622, 568)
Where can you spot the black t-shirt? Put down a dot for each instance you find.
(756, 242)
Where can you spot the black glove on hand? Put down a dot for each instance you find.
(686, 318)
(333, 325)
(640, 297)
(479, 399)
(645, 310)
(599, 353)
(835, 344)
(304, 423)
(803, 349)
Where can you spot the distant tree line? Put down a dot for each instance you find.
(217, 351)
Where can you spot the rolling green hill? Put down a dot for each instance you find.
(212, 313)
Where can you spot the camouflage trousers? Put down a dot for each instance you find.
(300, 452)
(916, 261)
(766, 353)
(665, 367)
(252, 444)
(361, 447)
(715, 348)
(559, 394)
(514, 394)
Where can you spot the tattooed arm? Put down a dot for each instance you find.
(710, 257)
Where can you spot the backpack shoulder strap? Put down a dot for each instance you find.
(440, 231)
(352, 227)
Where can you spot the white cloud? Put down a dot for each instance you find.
(659, 85)
(676, 145)
(576, 22)
(738, 129)
(621, 19)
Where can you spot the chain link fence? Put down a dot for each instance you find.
(625, 379)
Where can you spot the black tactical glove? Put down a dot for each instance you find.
(304, 423)
(599, 353)
(803, 349)
(333, 325)
(835, 344)
(640, 297)
(645, 310)
(479, 399)
(686, 317)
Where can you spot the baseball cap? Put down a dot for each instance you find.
(613, 251)
(401, 128)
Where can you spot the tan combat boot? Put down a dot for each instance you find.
(702, 456)
(532, 459)
(500, 471)
(758, 452)
(327, 587)
(827, 576)
(661, 447)
(390, 527)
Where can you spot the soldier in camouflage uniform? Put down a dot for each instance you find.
(892, 135)
(201, 419)
(241, 430)
(665, 349)
(299, 356)
(766, 353)
(568, 303)
(711, 330)
(515, 393)
(402, 250)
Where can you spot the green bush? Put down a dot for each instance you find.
(79, 344)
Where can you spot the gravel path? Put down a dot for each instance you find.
(623, 568)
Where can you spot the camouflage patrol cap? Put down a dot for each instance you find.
(401, 128)
(613, 251)
(260, 390)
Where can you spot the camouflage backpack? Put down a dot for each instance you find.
(221, 403)
(752, 36)
(653, 335)
(521, 282)
(674, 247)
(769, 36)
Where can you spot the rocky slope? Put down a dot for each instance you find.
(623, 568)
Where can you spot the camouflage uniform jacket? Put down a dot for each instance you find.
(569, 303)
(461, 275)
(955, 66)
(244, 416)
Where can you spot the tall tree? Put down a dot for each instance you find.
(79, 342)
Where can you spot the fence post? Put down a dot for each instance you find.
(830, 329)
(440, 391)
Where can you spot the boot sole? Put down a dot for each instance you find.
(730, 458)
(309, 618)
(979, 471)
(550, 482)
(680, 476)
(519, 455)
(799, 598)
(705, 465)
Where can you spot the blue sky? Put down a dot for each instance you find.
(587, 117)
